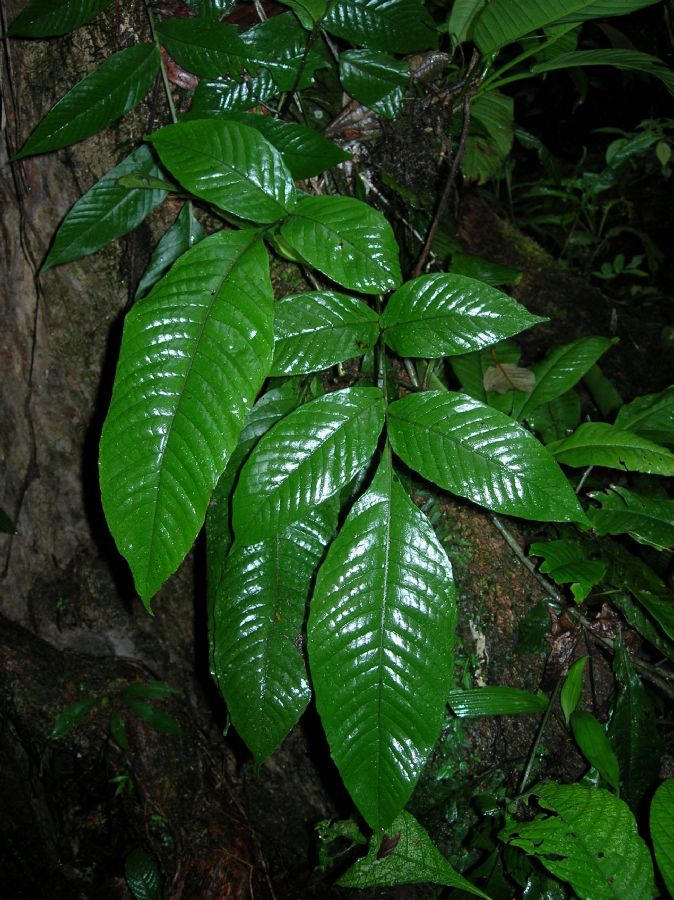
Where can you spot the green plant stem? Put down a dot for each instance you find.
(381, 353)
(495, 80)
(162, 67)
(539, 737)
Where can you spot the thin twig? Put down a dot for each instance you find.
(162, 67)
(539, 736)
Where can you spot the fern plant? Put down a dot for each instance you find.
(217, 414)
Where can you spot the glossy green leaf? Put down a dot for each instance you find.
(414, 859)
(558, 418)
(632, 60)
(306, 458)
(567, 563)
(471, 369)
(603, 393)
(142, 875)
(647, 520)
(593, 741)
(229, 165)
(282, 46)
(258, 620)
(114, 88)
(48, 18)
(503, 22)
(213, 98)
(156, 718)
(305, 151)
(490, 137)
(600, 444)
(347, 240)
(376, 79)
(105, 212)
(74, 715)
(462, 19)
(627, 570)
(181, 237)
(633, 731)
(495, 701)
(194, 355)
(572, 688)
(559, 372)
(651, 416)
(307, 11)
(208, 48)
(313, 331)
(380, 637)
(444, 315)
(394, 26)
(477, 452)
(662, 831)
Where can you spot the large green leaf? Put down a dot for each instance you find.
(628, 571)
(567, 563)
(258, 619)
(559, 371)
(558, 418)
(376, 79)
(347, 240)
(48, 18)
(313, 331)
(490, 137)
(504, 21)
(394, 26)
(471, 370)
(380, 638)
(633, 731)
(205, 47)
(194, 355)
(114, 88)
(600, 444)
(593, 741)
(589, 840)
(413, 860)
(495, 701)
(651, 416)
(479, 453)
(632, 60)
(106, 211)
(282, 46)
(212, 98)
(183, 234)
(648, 520)
(307, 11)
(462, 19)
(662, 832)
(229, 165)
(446, 315)
(305, 459)
(572, 689)
(305, 151)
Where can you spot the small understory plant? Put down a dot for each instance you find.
(323, 575)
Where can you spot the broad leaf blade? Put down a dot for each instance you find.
(375, 79)
(346, 240)
(495, 701)
(490, 137)
(413, 860)
(259, 616)
(651, 416)
(229, 165)
(567, 563)
(194, 355)
(114, 88)
(646, 519)
(380, 636)
(446, 315)
(479, 453)
(282, 47)
(106, 211)
(560, 371)
(591, 841)
(572, 688)
(313, 331)
(504, 21)
(632, 60)
(181, 237)
(662, 831)
(49, 18)
(305, 459)
(394, 26)
(205, 47)
(462, 19)
(600, 444)
(594, 744)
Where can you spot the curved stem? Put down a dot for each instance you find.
(162, 67)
